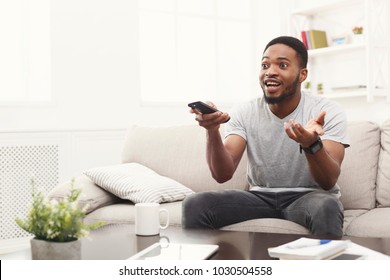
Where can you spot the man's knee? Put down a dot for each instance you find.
(188, 203)
(330, 204)
(193, 208)
(329, 216)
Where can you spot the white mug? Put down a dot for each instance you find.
(147, 219)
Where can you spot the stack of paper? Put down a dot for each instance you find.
(349, 88)
(309, 249)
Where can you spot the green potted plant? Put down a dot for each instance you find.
(320, 88)
(57, 226)
(357, 35)
(307, 86)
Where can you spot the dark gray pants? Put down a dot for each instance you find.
(319, 211)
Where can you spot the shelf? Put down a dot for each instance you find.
(355, 93)
(335, 49)
(363, 93)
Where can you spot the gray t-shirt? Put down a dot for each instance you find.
(274, 160)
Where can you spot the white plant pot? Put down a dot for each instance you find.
(48, 250)
(357, 39)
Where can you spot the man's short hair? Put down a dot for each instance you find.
(293, 43)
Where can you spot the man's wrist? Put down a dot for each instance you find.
(313, 148)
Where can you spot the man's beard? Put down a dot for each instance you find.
(288, 93)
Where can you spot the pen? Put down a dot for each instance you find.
(308, 243)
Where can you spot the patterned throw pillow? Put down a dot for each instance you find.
(137, 183)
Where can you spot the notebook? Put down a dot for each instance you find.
(309, 249)
(176, 251)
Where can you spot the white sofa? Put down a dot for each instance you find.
(179, 153)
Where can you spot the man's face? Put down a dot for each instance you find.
(280, 74)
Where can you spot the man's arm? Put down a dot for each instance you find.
(325, 164)
(222, 157)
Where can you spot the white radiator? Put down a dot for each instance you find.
(18, 165)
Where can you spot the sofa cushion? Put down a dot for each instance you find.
(350, 215)
(124, 212)
(184, 147)
(383, 180)
(374, 223)
(91, 194)
(137, 183)
(359, 168)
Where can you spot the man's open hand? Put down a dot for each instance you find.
(308, 134)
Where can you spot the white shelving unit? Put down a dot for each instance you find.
(365, 63)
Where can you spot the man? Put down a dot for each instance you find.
(295, 145)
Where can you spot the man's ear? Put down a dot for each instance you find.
(303, 75)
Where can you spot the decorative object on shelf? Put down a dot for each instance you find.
(320, 88)
(340, 40)
(357, 30)
(56, 225)
(307, 87)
